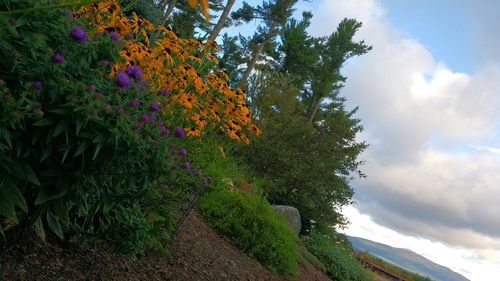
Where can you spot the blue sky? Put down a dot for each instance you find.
(444, 26)
(428, 96)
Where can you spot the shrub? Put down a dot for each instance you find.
(82, 150)
(340, 263)
(253, 225)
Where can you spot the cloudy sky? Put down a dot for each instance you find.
(429, 97)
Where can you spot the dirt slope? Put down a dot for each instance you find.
(199, 254)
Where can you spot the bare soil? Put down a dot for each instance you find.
(199, 254)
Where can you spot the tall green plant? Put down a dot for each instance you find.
(82, 152)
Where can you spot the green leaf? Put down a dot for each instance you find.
(46, 153)
(44, 122)
(24, 171)
(8, 210)
(49, 193)
(10, 193)
(7, 137)
(97, 149)
(61, 127)
(38, 226)
(81, 148)
(54, 224)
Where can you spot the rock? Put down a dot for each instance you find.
(291, 215)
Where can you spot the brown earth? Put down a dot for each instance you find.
(199, 254)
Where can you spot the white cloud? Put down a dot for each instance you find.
(421, 120)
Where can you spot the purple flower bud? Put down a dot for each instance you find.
(120, 110)
(114, 36)
(155, 106)
(152, 117)
(78, 34)
(57, 58)
(92, 87)
(134, 103)
(184, 152)
(163, 130)
(186, 165)
(206, 181)
(130, 36)
(105, 62)
(37, 85)
(137, 126)
(122, 80)
(179, 132)
(163, 92)
(133, 71)
(145, 118)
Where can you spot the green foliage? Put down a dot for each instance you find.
(254, 226)
(305, 167)
(340, 263)
(74, 156)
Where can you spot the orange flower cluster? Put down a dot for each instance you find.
(186, 67)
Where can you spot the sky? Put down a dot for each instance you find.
(428, 96)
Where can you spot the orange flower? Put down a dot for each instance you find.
(186, 67)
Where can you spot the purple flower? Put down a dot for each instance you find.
(186, 165)
(114, 36)
(37, 85)
(155, 106)
(134, 103)
(78, 34)
(163, 92)
(105, 62)
(184, 152)
(122, 80)
(137, 126)
(206, 181)
(152, 117)
(57, 58)
(163, 130)
(179, 132)
(145, 118)
(92, 87)
(130, 36)
(133, 71)
(120, 110)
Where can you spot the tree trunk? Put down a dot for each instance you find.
(222, 20)
(315, 108)
(170, 8)
(256, 56)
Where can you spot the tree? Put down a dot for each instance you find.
(222, 20)
(334, 51)
(306, 167)
(274, 15)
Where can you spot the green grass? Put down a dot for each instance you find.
(340, 263)
(252, 224)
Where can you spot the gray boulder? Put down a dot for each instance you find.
(291, 215)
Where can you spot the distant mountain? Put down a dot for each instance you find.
(406, 259)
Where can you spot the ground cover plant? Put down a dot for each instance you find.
(252, 224)
(338, 260)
